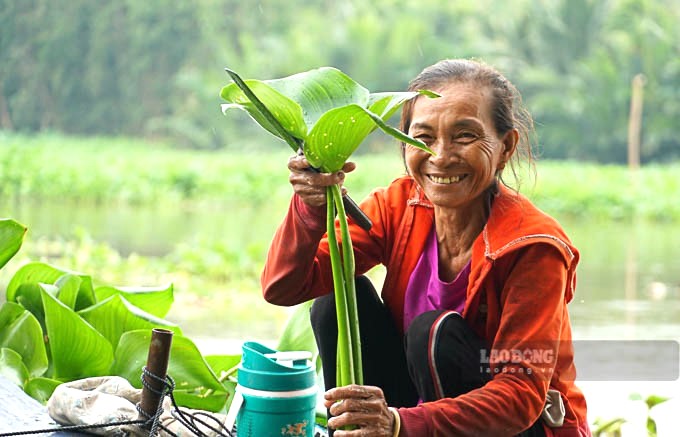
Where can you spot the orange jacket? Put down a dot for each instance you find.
(522, 277)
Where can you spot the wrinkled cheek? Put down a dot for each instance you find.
(484, 177)
(488, 163)
(412, 161)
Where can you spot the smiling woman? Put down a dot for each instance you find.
(473, 270)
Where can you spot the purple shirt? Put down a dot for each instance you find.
(426, 292)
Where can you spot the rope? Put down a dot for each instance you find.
(168, 388)
(188, 420)
(191, 421)
(72, 428)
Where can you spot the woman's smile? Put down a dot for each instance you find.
(443, 180)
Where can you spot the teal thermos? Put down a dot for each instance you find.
(279, 393)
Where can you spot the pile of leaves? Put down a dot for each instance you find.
(57, 326)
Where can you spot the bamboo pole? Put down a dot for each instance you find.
(634, 129)
(156, 364)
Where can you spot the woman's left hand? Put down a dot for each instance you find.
(360, 405)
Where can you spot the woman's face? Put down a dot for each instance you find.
(458, 127)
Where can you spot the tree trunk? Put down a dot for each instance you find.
(5, 119)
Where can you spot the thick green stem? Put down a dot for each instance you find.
(350, 289)
(345, 373)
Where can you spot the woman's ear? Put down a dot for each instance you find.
(509, 141)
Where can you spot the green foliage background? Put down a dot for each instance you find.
(154, 69)
(116, 172)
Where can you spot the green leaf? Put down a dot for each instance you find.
(319, 91)
(215, 401)
(297, 101)
(192, 374)
(653, 400)
(68, 286)
(77, 349)
(12, 367)
(153, 300)
(41, 389)
(226, 369)
(223, 365)
(336, 136)
(285, 110)
(333, 106)
(340, 131)
(297, 334)
(611, 426)
(384, 105)
(29, 296)
(21, 332)
(428, 93)
(11, 237)
(36, 272)
(115, 315)
(399, 135)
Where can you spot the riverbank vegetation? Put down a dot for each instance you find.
(113, 171)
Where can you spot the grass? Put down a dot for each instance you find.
(110, 170)
(607, 192)
(132, 171)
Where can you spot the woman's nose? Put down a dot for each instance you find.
(443, 155)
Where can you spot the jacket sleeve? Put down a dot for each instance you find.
(522, 358)
(298, 265)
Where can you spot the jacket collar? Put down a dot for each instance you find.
(513, 223)
(417, 195)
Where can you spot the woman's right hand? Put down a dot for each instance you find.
(310, 185)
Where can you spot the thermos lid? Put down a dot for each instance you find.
(267, 369)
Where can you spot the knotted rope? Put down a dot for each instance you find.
(191, 421)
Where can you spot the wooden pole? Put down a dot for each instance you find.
(635, 122)
(5, 119)
(156, 364)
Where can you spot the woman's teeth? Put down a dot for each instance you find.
(450, 180)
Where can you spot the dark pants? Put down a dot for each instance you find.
(402, 367)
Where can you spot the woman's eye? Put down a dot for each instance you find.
(466, 136)
(423, 137)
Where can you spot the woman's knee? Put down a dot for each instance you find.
(322, 314)
(418, 341)
(418, 333)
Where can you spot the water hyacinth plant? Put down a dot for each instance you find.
(325, 114)
(56, 326)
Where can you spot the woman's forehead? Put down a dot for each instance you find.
(457, 99)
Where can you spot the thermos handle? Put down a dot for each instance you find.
(290, 358)
(234, 408)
